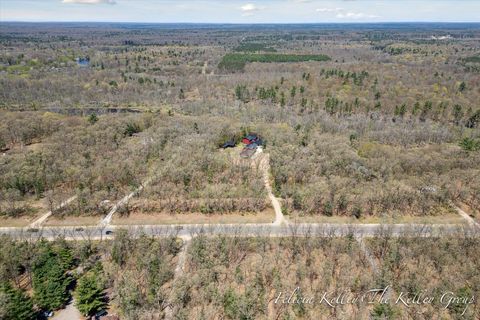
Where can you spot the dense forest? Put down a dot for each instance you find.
(46, 276)
(239, 278)
(364, 125)
(344, 114)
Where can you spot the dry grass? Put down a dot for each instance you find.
(266, 216)
(73, 221)
(443, 219)
(35, 209)
(23, 221)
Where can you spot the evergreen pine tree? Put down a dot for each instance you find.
(89, 296)
(15, 304)
(50, 281)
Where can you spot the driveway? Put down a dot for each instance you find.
(69, 313)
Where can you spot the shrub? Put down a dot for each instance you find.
(469, 144)
(131, 129)
(92, 119)
(383, 311)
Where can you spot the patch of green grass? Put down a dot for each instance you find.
(237, 61)
(18, 69)
(469, 144)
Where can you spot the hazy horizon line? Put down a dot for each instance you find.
(237, 23)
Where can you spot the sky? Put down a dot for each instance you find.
(237, 11)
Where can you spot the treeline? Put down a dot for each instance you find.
(442, 111)
(472, 59)
(357, 78)
(209, 180)
(185, 205)
(254, 47)
(241, 278)
(321, 172)
(37, 277)
(73, 156)
(236, 61)
(126, 273)
(238, 277)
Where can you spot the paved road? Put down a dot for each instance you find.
(247, 230)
